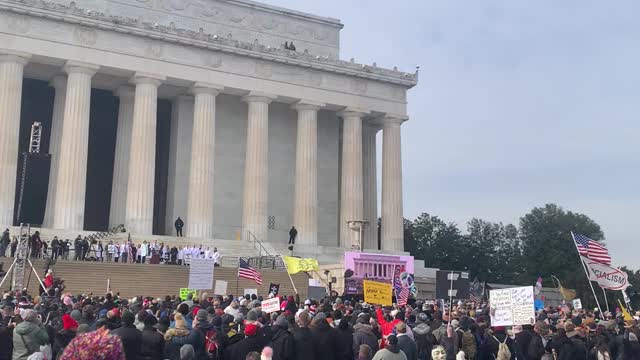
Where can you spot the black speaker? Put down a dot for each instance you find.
(33, 187)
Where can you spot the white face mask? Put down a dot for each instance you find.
(438, 353)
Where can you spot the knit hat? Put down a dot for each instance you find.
(282, 322)
(68, 323)
(250, 329)
(67, 301)
(202, 315)
(128, 318)
(76, 315)
(392, 339)
(252, 315)
(180, 323)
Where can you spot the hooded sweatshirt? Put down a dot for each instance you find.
(363, 334)
(27, 339)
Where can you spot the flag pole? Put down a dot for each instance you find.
(238, 277)
(451, 298)
(587, 274)
(290, 278)
(606, 301)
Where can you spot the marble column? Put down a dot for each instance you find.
(370, 233)
(199, 219)
(11, 71)
(351, 191)
(121, 159)
(59, 84)
(142, 155)
(256, 175)
(74, 148)
(305, 203)
(179, 160)
(392, 219)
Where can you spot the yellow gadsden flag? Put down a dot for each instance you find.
(295, 265)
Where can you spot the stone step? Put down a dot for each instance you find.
(154, 280)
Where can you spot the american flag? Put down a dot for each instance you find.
(247, 272)
(592, 249)
(476, 291)
(403, 296)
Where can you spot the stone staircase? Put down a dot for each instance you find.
(152, 280)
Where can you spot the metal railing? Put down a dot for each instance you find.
(257, 244)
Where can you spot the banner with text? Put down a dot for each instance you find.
(512, 306)
(201, 274)
(271, 305)
(607, 277)
(377, 293)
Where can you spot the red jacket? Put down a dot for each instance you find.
(386, 327)
(48, 281)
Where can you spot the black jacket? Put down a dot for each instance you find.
(325, 342)
(282, 344)
(152, 344)
(303, 341)
(572, 348)
(131, 341)
(240, 349)
(536, 347)
(61, 340)
(363, 334)
(408, 346)
(521, 344)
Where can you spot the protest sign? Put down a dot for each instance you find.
(271, 305)
(184, 293)
(377, 293)
(512, 306)
(201, 274)
(251, 292)
(221, 287)
(444, 284)
(577, 304)
(607, 277)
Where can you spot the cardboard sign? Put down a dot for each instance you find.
(221, 287)
(377, 292)
(512, 306)
(271, 305)
(184, 293)
(201, 274)
(251, 292)
(577, 304)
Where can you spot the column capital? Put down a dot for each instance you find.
(58, 82)
(391, 119)
(257, 96)
(206, 88)
(80, 67)
(14, 56)
(147, 78)
(125, 91)
(352, 112)
(307, 105)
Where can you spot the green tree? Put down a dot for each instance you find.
(439, 244)
(548, 249)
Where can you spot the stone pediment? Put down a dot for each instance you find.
(164, 20)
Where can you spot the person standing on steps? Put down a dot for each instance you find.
(179, 224)
(292, 235)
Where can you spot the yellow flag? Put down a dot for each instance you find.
(567, 294)
(627, 316)
(295, 265)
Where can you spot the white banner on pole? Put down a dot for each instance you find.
(512, 306)
(201, 274)
(271, 305)
(606, 276)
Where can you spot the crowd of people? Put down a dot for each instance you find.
(60, 325)
(84, 249)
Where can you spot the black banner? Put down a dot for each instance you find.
(460, 284)
(274, 289)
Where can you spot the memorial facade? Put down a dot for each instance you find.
(258, 137)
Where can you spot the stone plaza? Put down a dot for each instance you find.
(155, 109)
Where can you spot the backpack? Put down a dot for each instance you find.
(469, 344)
(211, 344)
(503, 350)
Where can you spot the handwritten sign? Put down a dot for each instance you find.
(271, 305)
(512, 306)
(251, 292)
(201, 274)
(377, 292)
(577, 304)
(184, 293)
(220, 288)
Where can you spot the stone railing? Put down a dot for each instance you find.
(169, 32)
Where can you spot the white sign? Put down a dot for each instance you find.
(512, 306)
(221, 287)
(271, 305)
(607, 277)
(577, 304)
(251, 292)
(201, 274)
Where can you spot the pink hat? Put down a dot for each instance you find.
(67, 301)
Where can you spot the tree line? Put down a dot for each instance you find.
(541, 245)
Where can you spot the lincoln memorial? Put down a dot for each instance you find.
(158, 109)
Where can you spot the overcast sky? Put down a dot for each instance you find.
(519, 104)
